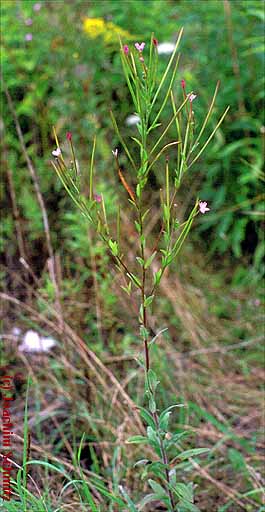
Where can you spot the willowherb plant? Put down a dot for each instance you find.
(150, 262)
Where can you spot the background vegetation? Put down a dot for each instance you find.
(62, 67)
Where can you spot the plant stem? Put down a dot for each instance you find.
(146, 348)
(165, 461)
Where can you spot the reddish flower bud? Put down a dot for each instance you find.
(155, 41)
(97, 198)
(69, 135)
(126, 49)
(183, 84)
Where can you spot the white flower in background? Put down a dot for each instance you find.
(32, 342)
(16, 331)
(165, 48)
(132, 120)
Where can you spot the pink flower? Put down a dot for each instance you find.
(28, 37)
(183, 84)
(56, 152)
(97, 198)
(139, 47)
(192, 97)
(69, 135)
(28, 22)
(37, 7)
(126, 49)
(155, 41)
(203, 207)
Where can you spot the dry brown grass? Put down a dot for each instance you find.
(99, 393)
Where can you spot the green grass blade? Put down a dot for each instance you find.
(132, 507)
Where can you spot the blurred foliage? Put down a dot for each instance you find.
(62, 67)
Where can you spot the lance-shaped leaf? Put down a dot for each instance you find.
(154, 123)
(184, 233)
(209, 138)
(168, 126)
(208, 115)
(167, 69)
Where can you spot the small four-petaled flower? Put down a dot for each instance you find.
(192, 97)
(56, 152)
(203, 208)
(139, 47)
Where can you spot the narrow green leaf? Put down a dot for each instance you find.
(152, 404)
(157, 277)
(192, 453)
(157, 488)
(113, 247)
(152, 380)
(147, 417)
(140, 261)
(167, 69)
(154, 124)
(149, 498)
(183, 235)
(137, 440)
(132, 507)
(148, 301)
(150, 260)
(209, 138)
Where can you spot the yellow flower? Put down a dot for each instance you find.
(95, 27)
